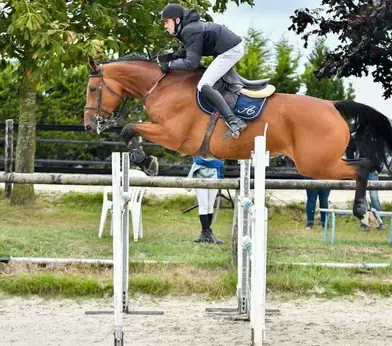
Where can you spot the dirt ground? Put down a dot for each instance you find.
(313, 322)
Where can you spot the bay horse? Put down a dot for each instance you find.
(313, 132)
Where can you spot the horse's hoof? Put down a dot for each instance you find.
(370, 219)
(377, 216)
(153, 166)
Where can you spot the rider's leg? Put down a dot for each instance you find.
(218, 68)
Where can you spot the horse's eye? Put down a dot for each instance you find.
(92, 89)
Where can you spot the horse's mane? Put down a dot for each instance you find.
(137, 57)
(129, 57)
(125, 58)
(134, 57)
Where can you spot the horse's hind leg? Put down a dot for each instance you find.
(360, 208)
(343, 169)
(360, 174)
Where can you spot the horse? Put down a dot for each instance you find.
(313, 132)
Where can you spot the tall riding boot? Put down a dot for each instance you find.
(205, 225)
(207, 236)
(216, 100)
(210, 216)
(213, 238)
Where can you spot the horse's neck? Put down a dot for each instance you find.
(172, 108)
(171, 96)
(135, 78)
(175, 92)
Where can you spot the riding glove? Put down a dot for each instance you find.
(165, 67)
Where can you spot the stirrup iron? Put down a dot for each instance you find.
(235, 133)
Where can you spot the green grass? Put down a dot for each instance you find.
(328, 282)
(67, 226)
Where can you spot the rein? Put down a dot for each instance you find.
(153, 88)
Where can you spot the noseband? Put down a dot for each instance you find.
(113, 118)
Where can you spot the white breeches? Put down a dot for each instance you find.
(221, 65)
(206, 200)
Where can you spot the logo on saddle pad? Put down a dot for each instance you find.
(249, 111)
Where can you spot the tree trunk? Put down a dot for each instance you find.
(23, 194)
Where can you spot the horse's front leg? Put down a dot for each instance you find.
(152, 132)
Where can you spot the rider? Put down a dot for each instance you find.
(204, 39)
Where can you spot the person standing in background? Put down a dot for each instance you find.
(311, 201)
(206, 169)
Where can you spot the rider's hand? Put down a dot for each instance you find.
(165, 67)
(163, 58)
(177, 55)
(171, 56)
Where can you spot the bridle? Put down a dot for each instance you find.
(113, 118)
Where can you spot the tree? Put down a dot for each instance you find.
(284, 76)
(350, 92)
(46, 36)
(280, 63)
(364, 29)
(8, 91)
(221, 5)
(326, 88)
(254, 64)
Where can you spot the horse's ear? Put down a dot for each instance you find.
(92, 64)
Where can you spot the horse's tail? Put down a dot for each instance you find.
(371, 131)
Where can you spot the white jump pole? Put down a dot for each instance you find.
(117, 253)
(125, 232)
(259, 245)
(243, 230)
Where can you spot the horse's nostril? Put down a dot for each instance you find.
(88, 128)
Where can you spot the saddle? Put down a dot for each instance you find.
(234, 83)
(245, 97)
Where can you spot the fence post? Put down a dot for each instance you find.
(8, 153)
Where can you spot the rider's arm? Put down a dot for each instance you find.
(193, 44)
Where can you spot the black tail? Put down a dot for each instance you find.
(371, 131)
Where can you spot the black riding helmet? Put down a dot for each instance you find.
(173, 11)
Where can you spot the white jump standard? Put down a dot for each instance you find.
(252, 242)
(120, 198)
(252, 245)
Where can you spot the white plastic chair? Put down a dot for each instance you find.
(134, 206)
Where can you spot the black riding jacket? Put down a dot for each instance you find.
(201, 39)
